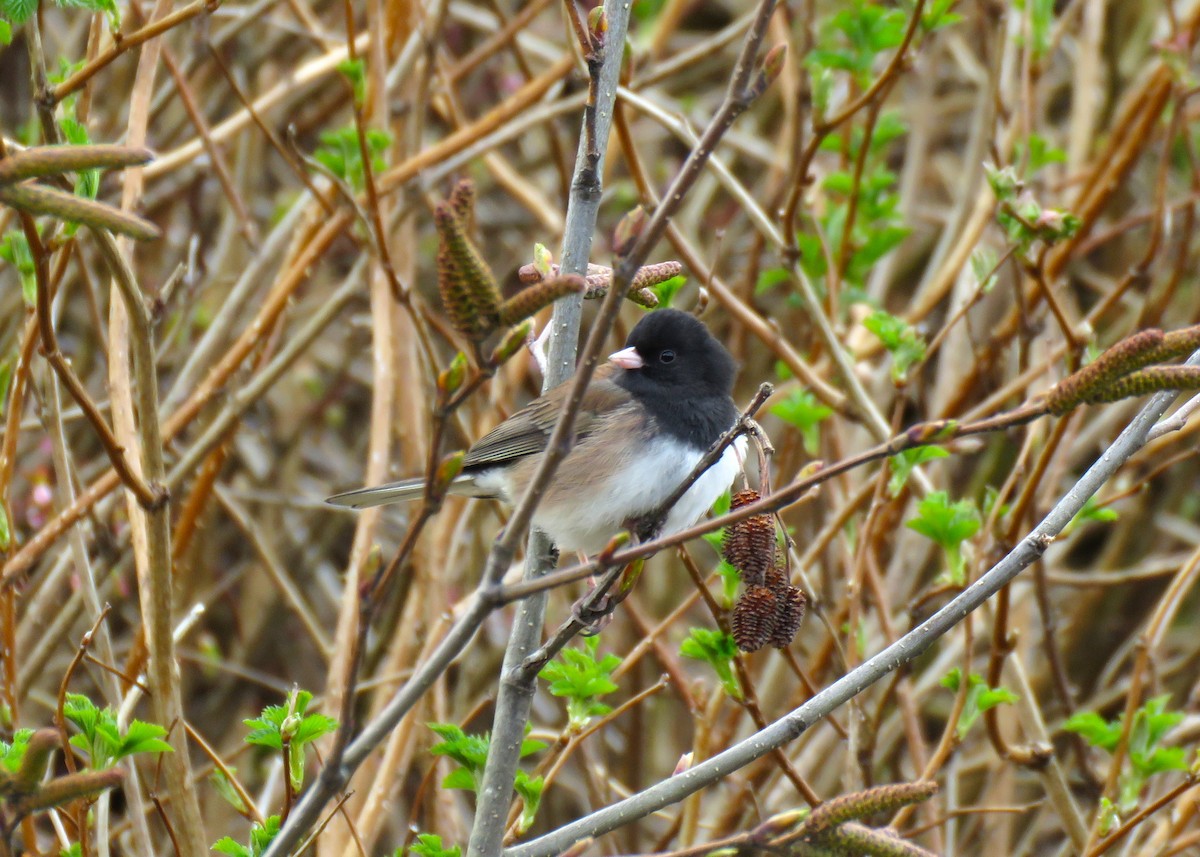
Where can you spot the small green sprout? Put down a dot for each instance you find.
(852, 38)
(1092, 511)
(983, 268)
(12, 754)
(290, 724)
(430, 845)
(339, 153)
(948, 524)
(802, 410)
(103, 740)
(667, 289)
(717, 649)
(903, 464)
(582, 678)
(470, 752)
(15, 250)
(1146, 755)
(900, 338)
(980, 698)
(355, 71)
(261, 836)
(1039, 152)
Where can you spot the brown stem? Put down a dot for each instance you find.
(127, 42)
(146, 496)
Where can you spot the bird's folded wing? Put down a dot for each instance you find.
(528, 430)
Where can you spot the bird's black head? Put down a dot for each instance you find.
(679, 357)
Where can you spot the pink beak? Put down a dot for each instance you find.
(627, 358)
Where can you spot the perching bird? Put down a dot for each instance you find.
(647, 417)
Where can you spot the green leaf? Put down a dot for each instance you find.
(983, 266)
(812, 256)
(17, 11)
(460, 778)
(945, 522)
(979, 699)
(1041, 17)
(530, 789)
(430, 845)
(770, 278)
(340, 153)
(12, 754)
(531, 745)
(903, 464)
(1003, 182)
(226, 845)
(1094, 729)
(938, 15)
(143, 738)
(15, 250)
(108, 7)
(5, 32)
(716, 649)
(470, 751)
(731, 579)
(1039, 152)
(802, 410)
(312, 727)
(261, 836)
(901, 339)
(219, 781)
(646, 12)
(265, 730)
(355, 70)
(87, 182)
(581, 677)
(878, 244)
(667, 289)
(948, 524)
(1092, 511)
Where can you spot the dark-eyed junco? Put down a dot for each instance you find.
(647, 417)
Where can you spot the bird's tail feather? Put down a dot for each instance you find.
(380, 495)
(398, 492)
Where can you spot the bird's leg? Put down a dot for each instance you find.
(648, 527)
(594, 609)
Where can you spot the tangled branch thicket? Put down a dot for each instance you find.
(924, 222)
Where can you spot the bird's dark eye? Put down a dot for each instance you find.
(667, 356)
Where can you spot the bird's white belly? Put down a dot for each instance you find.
(630, 492)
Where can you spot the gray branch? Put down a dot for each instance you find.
(515, 696)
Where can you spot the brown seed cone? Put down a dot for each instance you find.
(538, 296)
(599, 278)
(1177, 343)
(467, 284)
(1146, 381)
(460, 299)
(754, 616)
(858, 805)
(749, 545)
(792, 604)
(462, 200)
(776, 578)
(1121, 358)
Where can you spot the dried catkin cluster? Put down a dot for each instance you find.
(770, 610)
